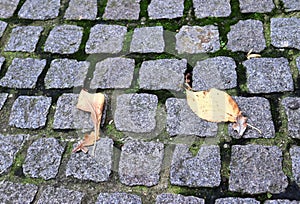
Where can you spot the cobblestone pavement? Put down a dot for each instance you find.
(153, 148)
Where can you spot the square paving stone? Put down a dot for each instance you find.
(168, 198)
(122, 9)
(211, 8)
(235, 200)
(285, 32)
(95, 168)
(295, 157)
(160, 74)
(120, 198)
(3, 98)
(256, 169)
(113, 73)
(23, 73)
(217, 72)
(291, 5)
(81, 10)
(30, 112)
(106, 39)
(64, 39)
(203, 170)
(39, 9)
(3, 26)
(292, 110)
(252, 6)
(140, 163)
(24, 38)
(147, 40)
(281, 201)
(181, 120)
(196, 39)
(246, 35)
(169, 9)
(136, 112)
(268, 75)
(43, 158)
(8, 7)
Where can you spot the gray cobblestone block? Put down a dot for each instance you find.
(181, 120)
(252, 6)
(8, 7)
(23, 73)
(24, 38)
(285, 32)
(2, 60)
(281, 201)
(120, 198)
(43, 158)
(196, 39)
(295, 157)
(165, 9)
(17, 193)
(256, 169)
(81, 9)
(212, 8)
(122, 9)
(267, 75)
(148, 39)
(203, 170)
(217, 72)
(39, 9)
(3, 98)
(168, 198)
(298, 64)
(162, 74)
(106, 39)
(246, 35)
(235, 200)
(292, 110)
(136, 112)
(258, 112)
(291, 5)
(140, 163)
(64, 39)
(30, 112)
(113, 73)
(3, 26)
(92, 168)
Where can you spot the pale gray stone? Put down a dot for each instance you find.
(168, 198)
(2, 60)
(282, 201)
(122, 9)
(292, 109)
(8, 7)
(291, 5)
(295, 157)
(298, 64)
(253, 6)
(212, 8)
(169, 9)
(3, 25)
(3, 98)
(235, 200)
(81, 10)
(120, 198)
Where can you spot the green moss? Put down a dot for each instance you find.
(111, 131)
(196, 145)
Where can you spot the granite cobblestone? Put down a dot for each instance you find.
(81, 10)
(292, 110)
(3, 98)
(3, 26)
(251, 6)
(8, 7)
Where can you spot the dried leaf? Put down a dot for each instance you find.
(250, 55)
(88, 140)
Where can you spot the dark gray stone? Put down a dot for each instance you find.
(113, 73)
(196, 39)
(81, 10)
(23, 73)
(8, 7)
(292, 110)
(148, 39)
(140, 163)
(168, 198)
(246, 35)
(3, 98)
(203, 170)
(64, 39)
(162, 74)
(217, 72)
(165, 9)
(181, 120)
(295, 157)
(235, 200)
(256, 169)
(120, 198)
(252, 6)
(281, 201)
(267, 75)
(122, 9)
(2, 60)
(291, 5)
(3, 25)
(212, 8)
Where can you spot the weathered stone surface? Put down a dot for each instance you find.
(217, 72)
(113, 73)
(39, 9)
(105, 39)
(64, 39)
(8, 7)
(23, 73)
(66, 73)
(203, 170)
(235, 200)
(165, 9)
(81, 10)
(122, 9)
(30, 112)
(162, 74)
(140, 163)
(196, 39)
(95, 168)
(17, 193)
(298, 63)
(252, 6)
(136, 112)
(2, 60)
(291, 5)
(256, 169)
(292, 110)
(181, 120)
(212, 8)
(246, 35)
(285, 32)
(267, 75)
(295, 157)
(3, 97)
(3, 26)
(258, 112)
(120, 198)
(148, 39)
(281, 201)
(168, 198)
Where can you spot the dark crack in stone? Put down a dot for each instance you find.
(120, 198)
(235, 200)
(169, 198)
(253, 6)
(81, 10)
(292, 110)
(168, 9)
(211, 8)
(295, 157)
(122, 10)
(8, 7)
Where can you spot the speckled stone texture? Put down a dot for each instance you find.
(256, 169)
(267, 75)
(196, 39)
(120, 198)
(8, 7)
(113, 73)
(295, 157)
(17, 193)
(122, 9)
(291, 5)
(212, 8)
(203, 170)
(168, 198)
(95, 168)
(140, 163)
(3, 26)
(3, 98)
(258, 112)
(281, 201)
(216, 72)
(235, 200)
(292, 110)
(298, 64)
(181, 120)
(161, 74)
(30, 112)
(252, 6)
(147, 40)
(81, 10)
(168, 9)
(2, 60)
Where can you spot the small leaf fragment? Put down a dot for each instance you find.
(88, 140)
(250, 55)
